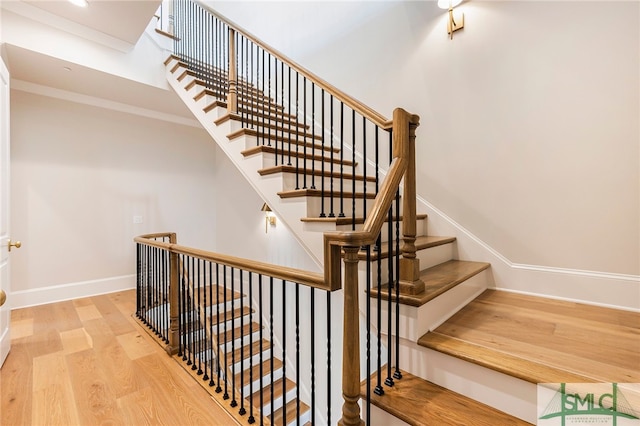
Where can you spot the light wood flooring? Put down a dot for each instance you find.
(543, 340)
(87, 362)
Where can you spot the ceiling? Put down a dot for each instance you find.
(121, 20)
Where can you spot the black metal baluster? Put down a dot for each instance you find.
(225, 365)
(251, 419)
(331, 135)
(397, 374)
(353, 169)
(191, 311)
(391, 267)
(275, 97)
(203, 311)
(328, 357)
(271, 341)
(313, 356)
(283, 110)
(313, 136)
(261, 360)
(218, 363)
(210, 315)
(234, 403)
(289, 118)
(201, 330)
(364, 166)
(195, 341)
(242, 411)
(322, 213)
(368, 314)
(304, 114)
(284, 352)
(378, 389)
(184, 322)
(298, 384)
(342, 145)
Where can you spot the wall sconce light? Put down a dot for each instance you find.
(452, 24)
(270, 218)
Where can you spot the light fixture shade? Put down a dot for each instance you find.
(265, 208)
(81, 3)
(446, 4)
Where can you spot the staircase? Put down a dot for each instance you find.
(319, 186)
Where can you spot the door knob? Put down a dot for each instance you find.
(16, 244)
(3, 297)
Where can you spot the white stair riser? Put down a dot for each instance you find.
(277, 402)
(314, 205)
(505, 393)
(415, 322)
(428, 257)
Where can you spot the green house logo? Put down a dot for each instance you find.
(589, 404)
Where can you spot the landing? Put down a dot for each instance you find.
(542, 340)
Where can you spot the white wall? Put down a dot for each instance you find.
(79, 176)
(529, 132)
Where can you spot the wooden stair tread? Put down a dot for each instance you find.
(244, 376)
(247, 350)
(238, 332)
(543, 342)
(218, 295)
(295, 193)
(315, 172)
(237, 313)
(291, 412)
(419, 402)
(348, 221)
(438, 279)
(277, 393)
(422, 242)
(295, 153)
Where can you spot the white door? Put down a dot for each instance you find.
(5, 309)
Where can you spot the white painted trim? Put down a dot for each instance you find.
(566, 299)
(77, 290)
(51, 92)
(613, 290)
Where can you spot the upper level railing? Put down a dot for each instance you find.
(350, 156)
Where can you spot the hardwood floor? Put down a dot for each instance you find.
(87, 362)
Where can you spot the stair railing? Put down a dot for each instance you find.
(331, 143)
(222, 314)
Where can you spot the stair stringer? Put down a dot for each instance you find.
(289, 211)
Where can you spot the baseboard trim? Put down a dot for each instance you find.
(62, 292)
(613, 290)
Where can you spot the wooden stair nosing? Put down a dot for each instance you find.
(291, 412)
(437, 279)
(244, 376)
(237, 333)
(279, 138)
(419, 402)
(297, 193)
(340, 221)
(315, 172)
(502, 362)
(265, 149)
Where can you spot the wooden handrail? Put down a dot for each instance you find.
(333, 241)
(308, 278)
(377, 118)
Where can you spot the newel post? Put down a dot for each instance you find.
(174, 336)
(232, 96)
(351, 341)
(410, 282)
